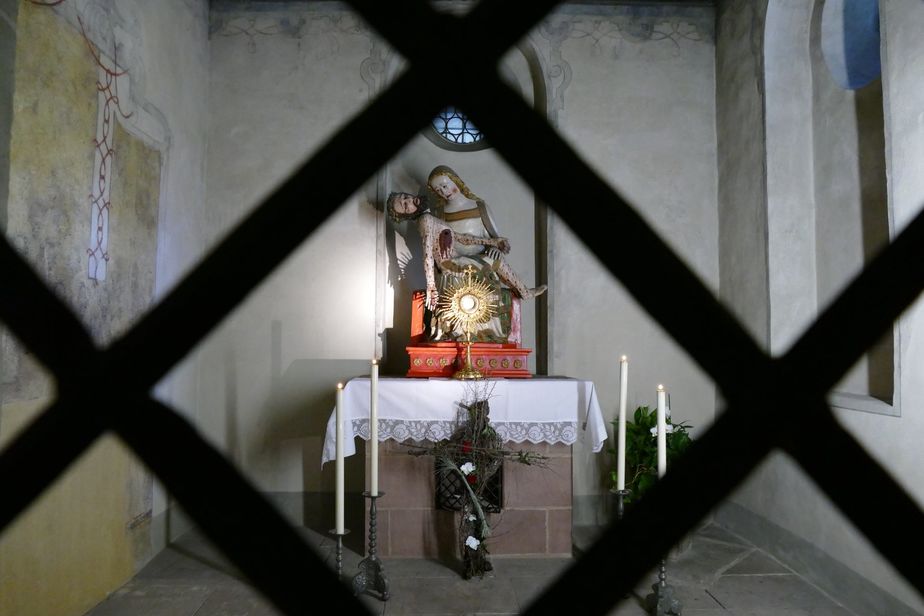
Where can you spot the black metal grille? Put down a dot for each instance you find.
(450, 492)
(792, 415)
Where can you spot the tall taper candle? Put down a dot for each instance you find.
(338, 475)
(662, 434)
(374, 431)
(621, 424)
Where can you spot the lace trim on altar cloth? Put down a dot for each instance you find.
(564, 432)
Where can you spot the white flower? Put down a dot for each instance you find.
(472, 542)
(668, 428)
(471, 517)
(467, 468)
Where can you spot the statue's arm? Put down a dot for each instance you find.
(430, 254)
(501, 243)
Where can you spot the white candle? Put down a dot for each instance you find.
(662, 433)
(621, 424)
(374, 431)
(338, 476)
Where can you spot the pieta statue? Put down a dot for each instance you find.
(460, 238)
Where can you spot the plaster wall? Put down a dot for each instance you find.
(282, 82)
(8, 12)
(640, 109)
(852, 221)
(99, 513)
(827, 548)
(171, 84)
(790, 172)
(169, 79)
(742, 175)
(893, 440)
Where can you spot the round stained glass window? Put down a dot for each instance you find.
(455, 127)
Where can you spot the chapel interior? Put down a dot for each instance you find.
(774, 147)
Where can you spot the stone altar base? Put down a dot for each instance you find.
(443, 359)
(534, 521)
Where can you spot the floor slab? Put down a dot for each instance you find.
(717, 575)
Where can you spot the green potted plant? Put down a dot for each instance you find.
(642, 450)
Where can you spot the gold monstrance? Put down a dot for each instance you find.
(467, 302)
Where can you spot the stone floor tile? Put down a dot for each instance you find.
(704, 562)
(373, 603)
(758, 562)
(768, 592)
(236, 601)
(148, 599)
(420, 568)
(717, 576)
(531, 567)
(717, 533)
(630, 606)
(181, 564)
(528, 589)
(451, 596)
(835, 611)
(495, 597)
(693, 598)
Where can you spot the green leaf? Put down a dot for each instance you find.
(642, 450)
(645, 483)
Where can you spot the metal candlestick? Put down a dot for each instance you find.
(339, 551)
(620, 509)
(620, 502)
(372, 573)
(662, 602)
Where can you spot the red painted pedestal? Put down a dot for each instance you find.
(493, 360)
(443, 359)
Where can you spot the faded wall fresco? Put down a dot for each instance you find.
(84, 536)
(54, 118)
(132, 238)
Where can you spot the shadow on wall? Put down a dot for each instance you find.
(874, 226)
(296, 417)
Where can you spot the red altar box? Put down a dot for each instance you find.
(443, 359)
(493, 360)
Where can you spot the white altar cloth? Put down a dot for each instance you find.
(539, 409)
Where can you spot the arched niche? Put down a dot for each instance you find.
(827, 205)
(518, 214)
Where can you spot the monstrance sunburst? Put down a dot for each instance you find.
(467, 302)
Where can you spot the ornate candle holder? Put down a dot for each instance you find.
(372, 573)
(465, 304)
(661, 601)
(468, 371)
(620, 502)
(339, 550)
